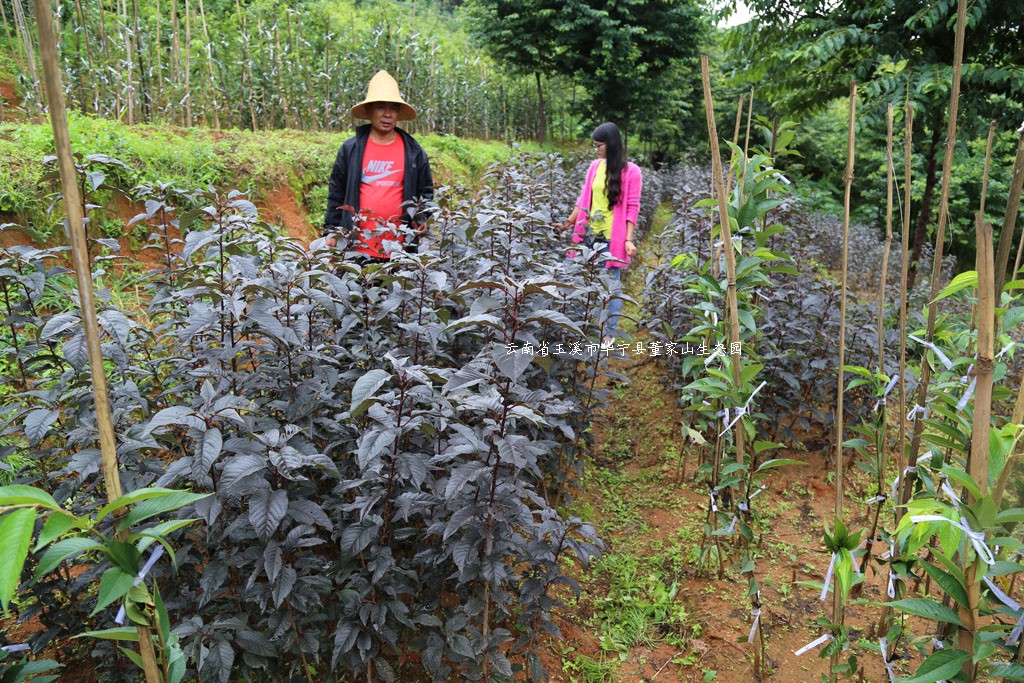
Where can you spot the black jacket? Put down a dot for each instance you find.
(343, 188)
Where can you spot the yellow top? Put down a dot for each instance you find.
(600, 212)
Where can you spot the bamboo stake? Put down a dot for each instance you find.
(80, 258)
(739, 120)
(735, 142)
(731, 300)
(838, 615)
(880, 442)
(848, 188)
(728, 182)
(940, 234)
(1010, 218)
(890, 181)
(978, 461)
(904, 267)
(730, 255)
(908, 160)
(984, 173)
(750, 118)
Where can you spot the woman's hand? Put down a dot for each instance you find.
(630, 249)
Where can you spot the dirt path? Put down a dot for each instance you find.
(623, 628)
(651, 609)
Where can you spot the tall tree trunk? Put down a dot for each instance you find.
(107, 63)
(303, 64)
(21, 27)
(188, 65)
(279, 70)
(265, 107)
(158, 76)
(175, 60)
(19, 55)
(129, 47)
(142, 97)
(209, 68)
(84, 57)
(248, 92)
(541, 114)
(327, 77)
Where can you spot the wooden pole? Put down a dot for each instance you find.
(750, 118)
(890, 181)
(837, 597)
(848, 188)
(984, 173)
(908, 134)
(730, 254)
(80, 259)
(978, 461)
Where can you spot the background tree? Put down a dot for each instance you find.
(802, 55)
(522, 35)
(622, 52)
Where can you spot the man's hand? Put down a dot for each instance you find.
(419, 228)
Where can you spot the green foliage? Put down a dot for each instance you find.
(17, 672)
(265, 65)
(630, 57)
(66, 536)
(802, 57)
(368, 438)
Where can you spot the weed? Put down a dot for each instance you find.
(584, 669)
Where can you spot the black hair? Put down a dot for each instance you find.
(615, 158)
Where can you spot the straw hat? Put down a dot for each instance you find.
(383, 88)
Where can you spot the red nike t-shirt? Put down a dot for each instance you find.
(380, 195)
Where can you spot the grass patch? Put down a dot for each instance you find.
(253, 162)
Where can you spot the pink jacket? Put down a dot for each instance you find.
(626, 209)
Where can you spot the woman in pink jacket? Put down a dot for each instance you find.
(606, 212)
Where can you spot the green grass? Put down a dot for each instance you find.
(254, 162)
(8, 68)
(584, 669)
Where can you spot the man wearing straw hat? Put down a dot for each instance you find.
(381, 177)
